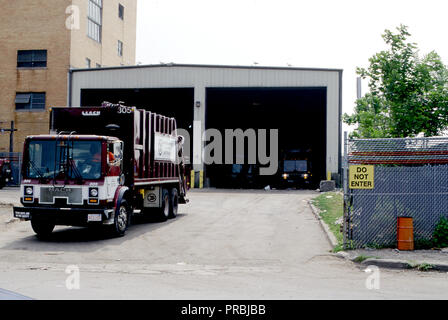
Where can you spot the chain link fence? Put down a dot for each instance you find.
(15, 159)
(409, 179)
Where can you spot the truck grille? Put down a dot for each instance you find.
(49, 194)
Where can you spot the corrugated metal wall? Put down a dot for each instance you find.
(192, 76)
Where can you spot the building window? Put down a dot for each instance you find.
(30, 101)
(120, 48)
(120, 11)
(88, 63)
(94, 19)
(31, 58)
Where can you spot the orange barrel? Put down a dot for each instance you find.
(405, 233)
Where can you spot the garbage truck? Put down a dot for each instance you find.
(296, 168)
(99, 166)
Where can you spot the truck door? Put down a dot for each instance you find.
(115, 176)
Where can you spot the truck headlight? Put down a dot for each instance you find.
(305, 176)
(29, 191)
(285, 176)
(93, 192)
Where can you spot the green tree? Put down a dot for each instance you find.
(407, 94)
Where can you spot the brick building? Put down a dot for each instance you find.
(41, 40)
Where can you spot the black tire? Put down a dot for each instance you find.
(164, 210)
(43, 229)
(174, 203)
(121, 219)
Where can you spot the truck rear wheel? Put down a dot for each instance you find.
(164, 210)
(42, 228)
(174, 203)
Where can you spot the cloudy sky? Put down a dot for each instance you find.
(339, 34)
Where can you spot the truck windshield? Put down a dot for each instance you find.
(294, 165)
(63, 159)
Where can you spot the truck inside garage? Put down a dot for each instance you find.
(170, 102)
(299, 114)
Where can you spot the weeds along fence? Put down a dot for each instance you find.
(389, 178)
(16, 165)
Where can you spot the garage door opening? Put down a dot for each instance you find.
(299, 114)
(170, 102)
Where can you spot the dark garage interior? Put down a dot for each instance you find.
(172, 102)
(298, 113)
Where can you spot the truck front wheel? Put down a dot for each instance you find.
(121, 219)
(42, 228)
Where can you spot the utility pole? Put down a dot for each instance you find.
(11, 136)
(358, 88)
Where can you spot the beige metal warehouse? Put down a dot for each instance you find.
(200, 78)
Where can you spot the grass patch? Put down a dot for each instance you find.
(420, 267)
(425, 267)
(331, 209)
(361, 258)
(339, 247)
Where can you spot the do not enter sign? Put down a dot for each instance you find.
(361, 177)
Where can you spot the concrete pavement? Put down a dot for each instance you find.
(225, 244)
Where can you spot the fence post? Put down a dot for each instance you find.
(345, 222)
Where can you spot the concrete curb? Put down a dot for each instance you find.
(386, 263)
(330, 236)
(395, 263)
(403, 264)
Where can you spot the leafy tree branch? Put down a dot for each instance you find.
(407, 94)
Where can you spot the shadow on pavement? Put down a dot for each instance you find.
(77, 239)
(254, 191)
